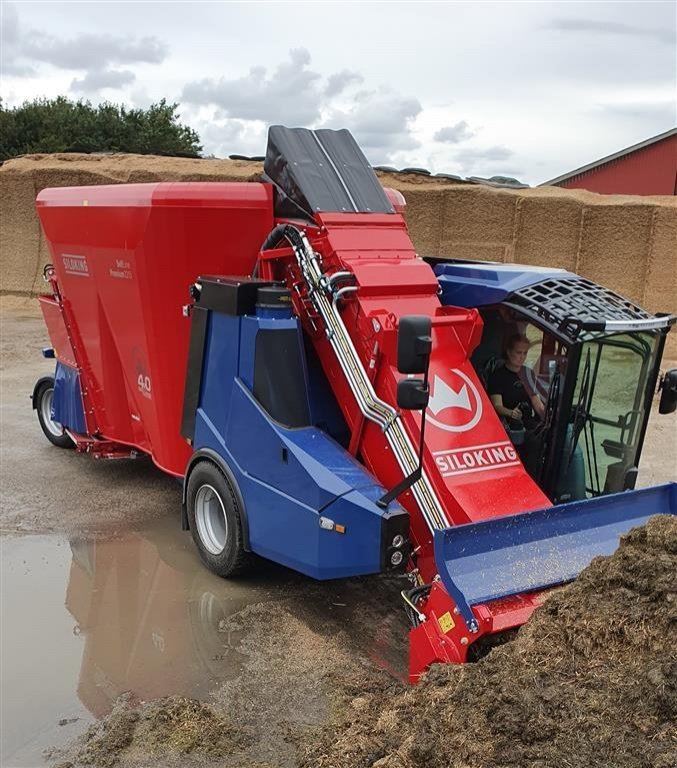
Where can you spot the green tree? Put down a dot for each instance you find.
(62, 125)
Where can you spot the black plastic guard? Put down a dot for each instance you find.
(320, 171)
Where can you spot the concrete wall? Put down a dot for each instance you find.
(627, 243)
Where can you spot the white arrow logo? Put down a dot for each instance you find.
(446, 397)
(467, 398)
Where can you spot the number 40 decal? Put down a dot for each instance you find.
(143, 382)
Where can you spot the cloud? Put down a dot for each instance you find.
(295, 94)
(657, 111)
(291, 95)
(454, 134)
(94, 52)
(665, 35)
(230, 137)
(24, 48)
(97, 80)
(482, 160)
(9, 39)
(339, 81)
(380, 120)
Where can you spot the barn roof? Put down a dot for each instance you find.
(609, 158)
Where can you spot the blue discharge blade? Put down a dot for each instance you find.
(484, 561)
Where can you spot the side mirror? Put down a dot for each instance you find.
(668, 402)
(414, 344)
(413, 395)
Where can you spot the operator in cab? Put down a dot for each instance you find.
(511, 390)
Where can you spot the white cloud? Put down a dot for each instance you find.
(380, 120)
(482, 160)
(232, 137)
(338, 82)
(96, 80)
(26, 50)
(454, 134)
(294, 94)
(291, 95)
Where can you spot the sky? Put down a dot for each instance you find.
(524, 89)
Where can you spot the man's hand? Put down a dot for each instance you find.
(515, 414)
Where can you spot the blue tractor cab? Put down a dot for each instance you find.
(593, 360)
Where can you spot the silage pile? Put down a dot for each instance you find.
(590, 681)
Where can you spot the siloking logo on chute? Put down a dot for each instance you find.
(455, 404)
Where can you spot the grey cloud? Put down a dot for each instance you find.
(229, 137)
(290, 95)
(665, 35)
(293, 94)
(94, 53)
(9, 39)
(483, 160)
(380, 121)
(108, 78)
(339, 81)
(453, 134)
(656, 111)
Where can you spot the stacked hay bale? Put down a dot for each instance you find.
(628, 243)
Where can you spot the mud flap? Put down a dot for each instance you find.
(481, 562)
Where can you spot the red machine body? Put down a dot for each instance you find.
(124, 257)
(118, 315)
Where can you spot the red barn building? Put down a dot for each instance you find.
(647, 168)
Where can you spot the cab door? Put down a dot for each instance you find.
(610, 408)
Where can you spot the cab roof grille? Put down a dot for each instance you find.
(571, 305)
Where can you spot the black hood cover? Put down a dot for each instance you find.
(320, 171)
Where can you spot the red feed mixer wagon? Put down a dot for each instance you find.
(321, 391)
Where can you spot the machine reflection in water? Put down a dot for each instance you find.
(155, 623)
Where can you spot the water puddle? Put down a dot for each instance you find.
(85, 620)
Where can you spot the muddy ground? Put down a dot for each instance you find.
(291, 670)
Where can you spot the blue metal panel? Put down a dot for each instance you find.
(219, 367)
(284, 500)
(288, 478)
(314, 468)
(494, 558)
(478, 285)
(325, 412)
(67, 407)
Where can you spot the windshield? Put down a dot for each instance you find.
(609, 408)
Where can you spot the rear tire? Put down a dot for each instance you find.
(53, 431)
(215, 521)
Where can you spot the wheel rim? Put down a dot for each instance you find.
(210, 517)
(52, 426)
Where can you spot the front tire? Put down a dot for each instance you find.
(53, 431)
(215, 522)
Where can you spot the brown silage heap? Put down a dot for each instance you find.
(590, 681)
